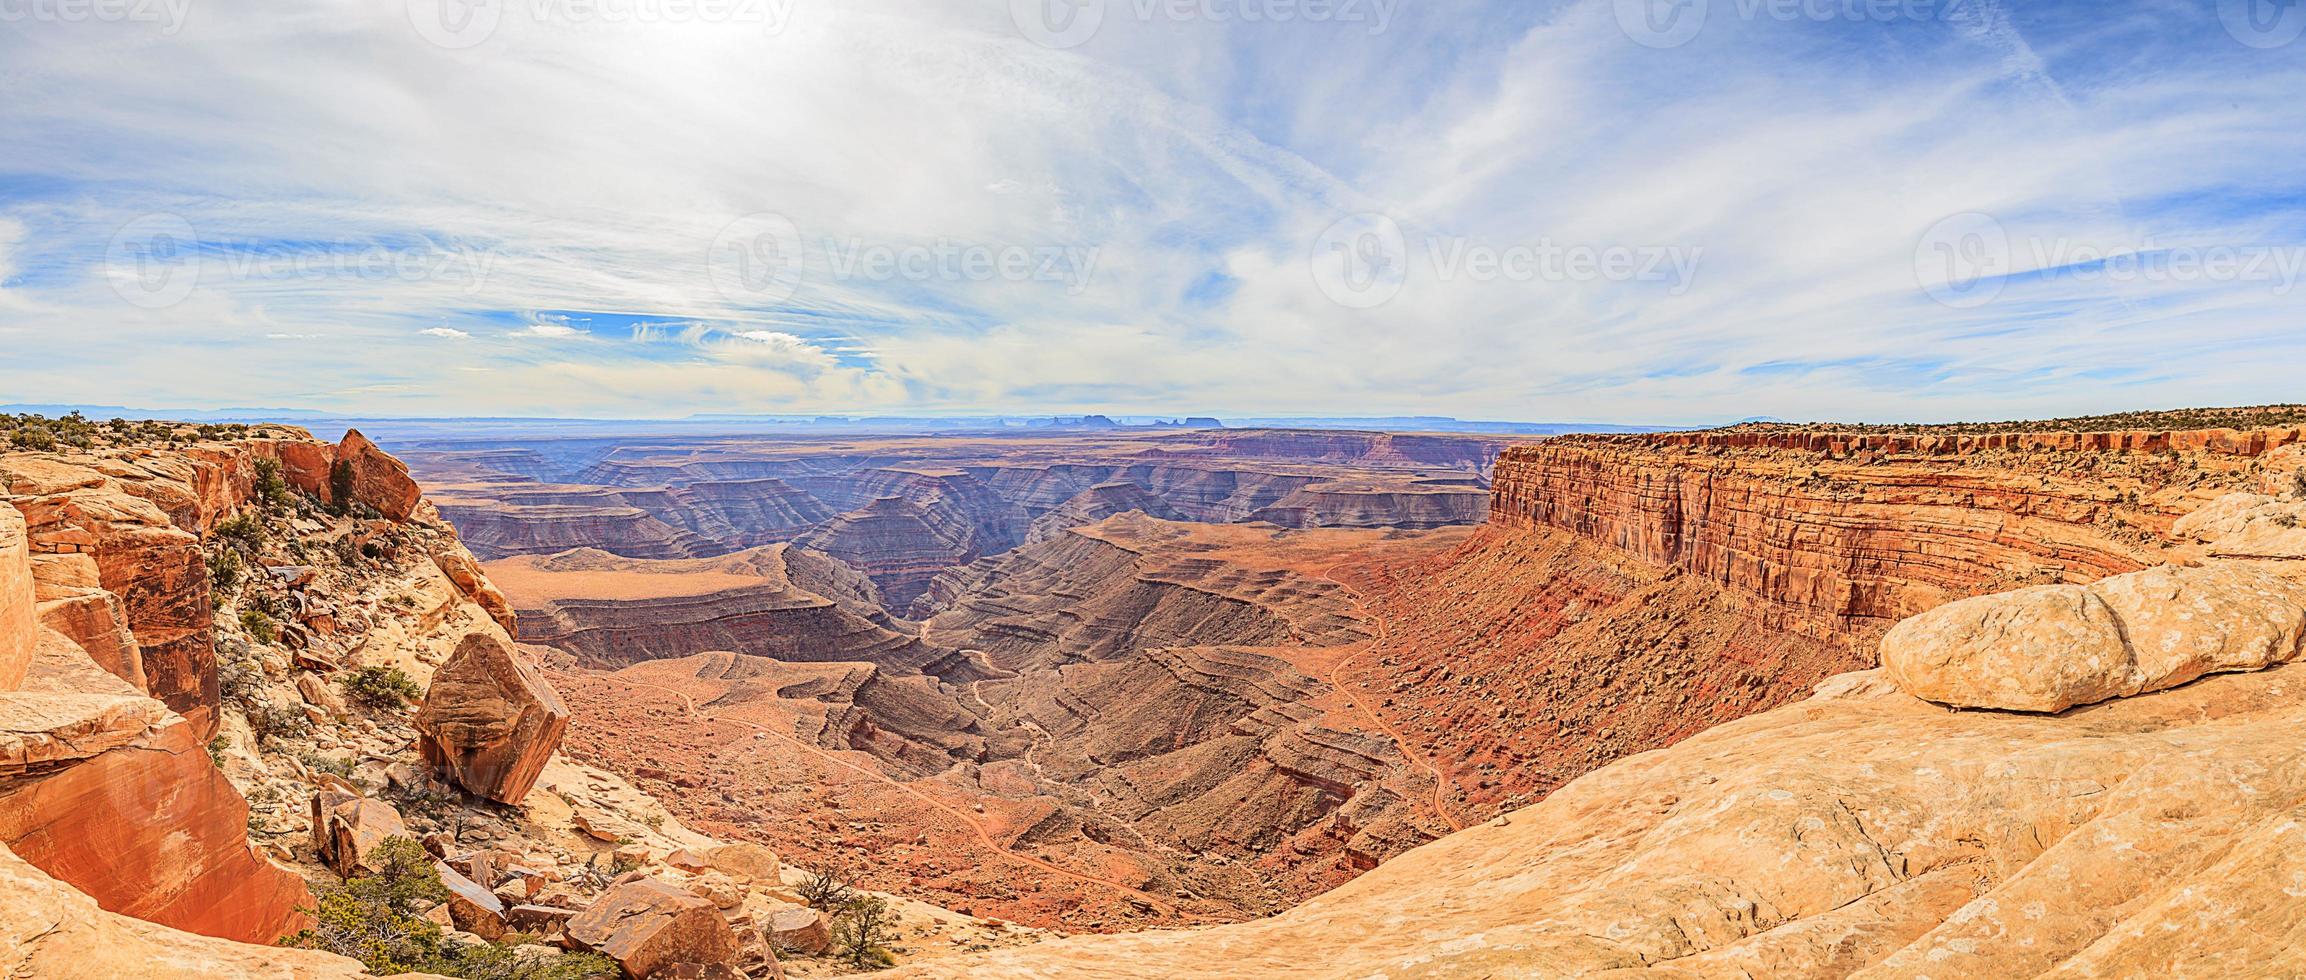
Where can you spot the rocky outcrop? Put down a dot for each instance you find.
(1096, 504)
(1415, 506)
(648, 925)
(2052, 647)
(779, 602)
(114, 795)
(894, 542)
(50, 929)
(489, 721)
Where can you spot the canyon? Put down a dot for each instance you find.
(1673, 704)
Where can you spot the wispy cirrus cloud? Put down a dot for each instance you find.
(889, 206)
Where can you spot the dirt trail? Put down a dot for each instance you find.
(1442, 787)
(983, 836)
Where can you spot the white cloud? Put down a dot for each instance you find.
(1200, 162)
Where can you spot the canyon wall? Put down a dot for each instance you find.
(112, 695)
(1842, 533)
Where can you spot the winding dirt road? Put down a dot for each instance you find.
(1442, 786)
(983, 836)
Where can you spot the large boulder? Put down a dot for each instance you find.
(2052, 647)
(347, 830)
(372, 477)
(646, 924)
(489, 721)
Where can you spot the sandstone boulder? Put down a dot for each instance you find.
(489, 721)
(2052, 647)
(16, 633)
(2046, 648)
(466, 575)
(348, 829)
(473, 908)
(747, 860)
(646, 925)
(801, 930)
(373, 478)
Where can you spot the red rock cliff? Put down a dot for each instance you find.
(1841, 532)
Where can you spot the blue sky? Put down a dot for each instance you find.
(1623, 211)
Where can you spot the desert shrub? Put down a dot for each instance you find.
(863, 930)
(244, 528)
(378, 920)
(225, 568)
(259, 626)
(829, 888)
(33, 437)
(271, 490)
(273, 722)
(216, 747)
(339, 486)
(381, 688)
(2298, 482)
(238, 673)
(333, 765)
